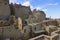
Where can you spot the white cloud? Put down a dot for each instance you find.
(27, 3)
(53, 4)
(45, 10)
(31, 7)
(28, 0)
(40, 8)
(12, 1)
(37, 8)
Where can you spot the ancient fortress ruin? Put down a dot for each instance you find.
(18, 22)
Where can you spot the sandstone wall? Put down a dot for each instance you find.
(4, 10)
(21, 11)
(39, 15)
(10, 32)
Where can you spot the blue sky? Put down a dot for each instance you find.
(50, 7)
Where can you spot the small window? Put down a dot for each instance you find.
(26, 22)
(5, 3)
(35, 28)
(1, 22)
(24, 30)
(46, 24)
(16, 27)
(0, 2)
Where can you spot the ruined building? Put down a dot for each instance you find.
(18, 22)
(12, 19)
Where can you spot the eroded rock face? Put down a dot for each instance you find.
(36, 17)
(39, 15)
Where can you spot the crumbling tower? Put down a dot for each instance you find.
(4, 9)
